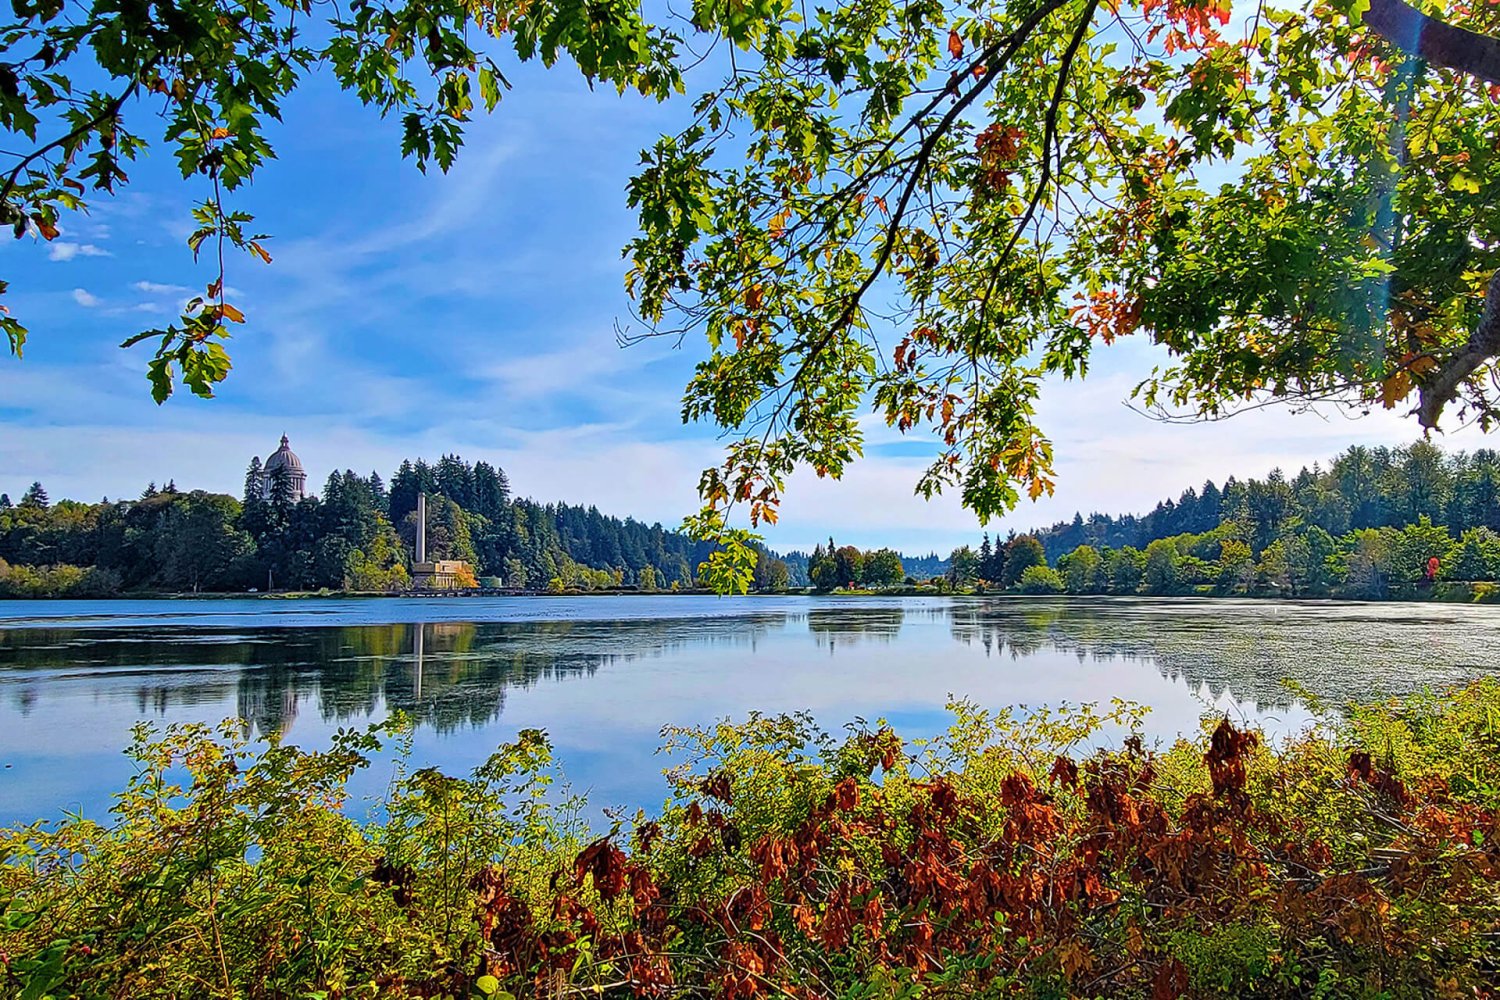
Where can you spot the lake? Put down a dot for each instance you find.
(602, 675)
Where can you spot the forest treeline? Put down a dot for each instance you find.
(357, 535)
(1376, 523)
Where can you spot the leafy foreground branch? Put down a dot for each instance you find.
(1004, 858)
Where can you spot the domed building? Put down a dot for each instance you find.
(285, 459)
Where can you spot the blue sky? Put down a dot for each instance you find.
(473, 312)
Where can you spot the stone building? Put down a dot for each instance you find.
(285, 459)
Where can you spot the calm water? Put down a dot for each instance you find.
(603, 675)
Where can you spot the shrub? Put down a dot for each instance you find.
(1041, 580)
(1357, 860)
(57, 581)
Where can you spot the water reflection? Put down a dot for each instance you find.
(831, 627)
(1248, 650)
(444, 675)
(603, 675)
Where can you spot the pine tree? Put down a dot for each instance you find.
(402, 498)
(377, 490)
(254, 481)
(36, 496)
(283, 494)
(150, 490)
(5, 503)
(171, 486)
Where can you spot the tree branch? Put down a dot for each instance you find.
(1440, 43)
(1484, 344)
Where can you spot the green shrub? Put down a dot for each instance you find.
(1041, 580)
(57, 581)
(1357, 860)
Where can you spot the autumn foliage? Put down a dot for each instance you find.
(1086, 882)
(1005, 858)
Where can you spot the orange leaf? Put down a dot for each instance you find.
(1395, 389)
(955, 44)
(260, 251)
(48, 230)
(221, 133)
(229, 312)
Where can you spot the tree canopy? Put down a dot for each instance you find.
(926, 208)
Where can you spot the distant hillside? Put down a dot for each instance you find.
(1361, 488)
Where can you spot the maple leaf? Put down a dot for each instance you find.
(1395, 389)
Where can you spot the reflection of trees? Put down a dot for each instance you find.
(346, 673)
(446, 675)
(1341, 653)
(831, 626)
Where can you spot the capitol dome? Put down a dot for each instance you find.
(285, 459)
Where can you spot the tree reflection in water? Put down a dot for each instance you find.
(1247, 649)
(449, 675)
(446, 675)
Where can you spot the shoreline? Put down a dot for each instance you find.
(1454, 594)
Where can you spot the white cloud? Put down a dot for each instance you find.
(157, 288)
(65, 250)
(83, 297)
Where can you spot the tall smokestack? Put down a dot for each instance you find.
(421, 527)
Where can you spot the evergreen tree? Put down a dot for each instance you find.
(377, 491)
(254, 481)
(402, 499)
(283, 494)
(35, 496)
(5, 503)
(491, 491)
(453, 478)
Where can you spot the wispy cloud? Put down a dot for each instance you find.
(86, 299)
(160, 288)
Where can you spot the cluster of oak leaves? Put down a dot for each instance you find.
(1090, 886)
